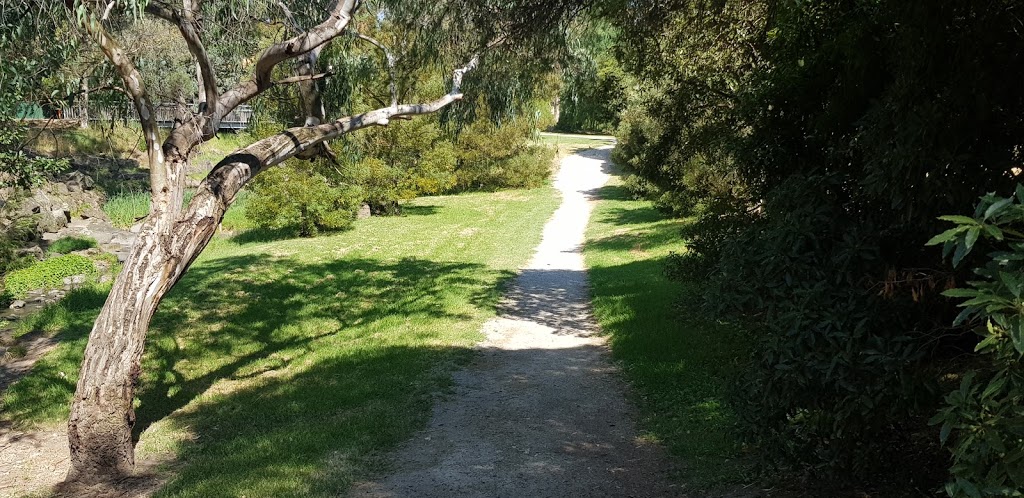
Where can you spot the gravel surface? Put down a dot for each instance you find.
(542, 410)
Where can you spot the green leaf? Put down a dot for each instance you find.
(1013, 282)
(960, 292)
(956, 218)
(958, 255)
(972, 237)
(1020, 193)
(943, 237)
(996, 207)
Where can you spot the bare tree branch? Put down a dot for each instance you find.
(304, 77)
(293, 47)
(133, 84)
(389, 58)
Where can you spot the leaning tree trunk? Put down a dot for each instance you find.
(102, 417)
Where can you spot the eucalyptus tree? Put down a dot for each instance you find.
(231, 72)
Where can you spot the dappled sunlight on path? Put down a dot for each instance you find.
(541, 411)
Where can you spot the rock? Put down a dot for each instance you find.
(67, 280)
(74, 186)
(192, 182)
(61, 189)
(77, 279)
(17, 305)
(33, 250)
(364, 212)
(136, 228)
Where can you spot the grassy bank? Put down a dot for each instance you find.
(287, 367)
(679, 361)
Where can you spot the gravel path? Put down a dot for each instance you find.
(542, 411)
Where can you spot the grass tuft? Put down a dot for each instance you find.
(66, 245)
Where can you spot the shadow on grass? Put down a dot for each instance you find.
(243, 317)
(681, 361)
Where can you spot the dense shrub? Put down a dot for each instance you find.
(983, 421)
(838, 363)
(48, 274)
(817, 142)
(493, 156)
(296, 196)
(65, 245)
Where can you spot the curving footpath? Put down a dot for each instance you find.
(541, 411)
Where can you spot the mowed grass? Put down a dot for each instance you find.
(680, 362)
(288, 367)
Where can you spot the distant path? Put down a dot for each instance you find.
(541, 412)
(608, 138)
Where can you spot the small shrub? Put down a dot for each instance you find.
(295, 196)
(48, 274)
(71, 244)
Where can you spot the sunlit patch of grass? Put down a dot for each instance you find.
(286, 367)
(679, 360)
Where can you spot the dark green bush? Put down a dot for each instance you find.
(65, 245)
(983, 420)
(48, 274)
(837, 371)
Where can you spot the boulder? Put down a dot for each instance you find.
(364, 212)
(17, 305)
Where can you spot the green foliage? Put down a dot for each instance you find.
(594, 82)
(65, 245)
(818, 142)
(836, 364)
(48, 274)
(493, 156)
(296, 196)
(983, 420)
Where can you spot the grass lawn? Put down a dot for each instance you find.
(287, 367)
(679, 361)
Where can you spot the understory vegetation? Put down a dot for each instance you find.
(816, 144)
(283, 367)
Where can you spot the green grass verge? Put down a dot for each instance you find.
(679, 361)
(126, 207)
(288, 367)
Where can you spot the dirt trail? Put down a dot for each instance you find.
(542, 411)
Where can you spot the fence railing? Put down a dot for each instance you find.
(236, 120)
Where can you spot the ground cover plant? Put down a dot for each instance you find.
(680, 362)
(284, 367)
(48, 273)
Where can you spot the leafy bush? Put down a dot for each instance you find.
(296, 196)
(493, 156)
(65, 245)
(48, 274)
(983, 420)
(837, 363)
